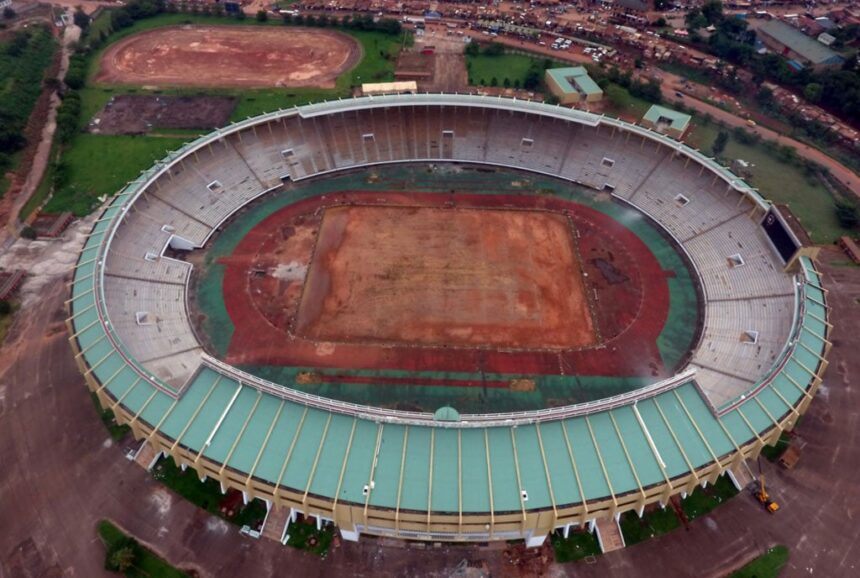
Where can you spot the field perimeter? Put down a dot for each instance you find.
(234, 56)
(449, 277)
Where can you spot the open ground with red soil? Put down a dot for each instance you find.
(230, 56)
(455, 277)
(581, 250)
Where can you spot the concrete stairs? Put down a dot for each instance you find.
(275, 526)
(609, 535)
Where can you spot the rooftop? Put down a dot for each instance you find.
(574, 79)
(676, 120)
(805, 46)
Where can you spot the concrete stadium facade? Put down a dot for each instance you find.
(406, 474)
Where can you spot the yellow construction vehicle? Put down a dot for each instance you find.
(762, 496)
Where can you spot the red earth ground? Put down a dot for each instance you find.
(445, 277)
(230, 56)
(264, 278)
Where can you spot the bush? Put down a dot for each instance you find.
(5, 307)
(122, 555)
(847, 214)
(262, 16)
(28, 232)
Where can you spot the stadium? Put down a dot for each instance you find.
(448, 317)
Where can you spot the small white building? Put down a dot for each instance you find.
(5, 4)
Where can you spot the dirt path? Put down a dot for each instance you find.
(673, 83)
(11, 204)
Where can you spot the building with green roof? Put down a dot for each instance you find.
(572, 85)
(667, 121)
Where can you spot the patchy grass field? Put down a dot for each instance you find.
(99, 165)
(781, 182)
(702, 501)
(303, 534)
(578, 545)
(653, 523)
(514, 67)
(206, 495)
(768, 565)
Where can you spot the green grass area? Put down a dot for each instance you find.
(303, 534)
(774, 452)
(653, 523)
(6, 320)
(117, 431)
(768, 565)
(100, 165)
(623, 104)
(206, 495)
(514, 67)
(702, 501)
(145, 564)
(782, 182)
(576, 546)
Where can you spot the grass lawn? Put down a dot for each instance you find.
(303, 534)
(768, 565)
(206, 495)
(702, 501)
(483, 68)
(146, 564)
(781, 182)
(579, 544)
(653, 523)
(101, 165)
(117, 432)
(627, 106)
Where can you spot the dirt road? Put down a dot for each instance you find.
(672, 84)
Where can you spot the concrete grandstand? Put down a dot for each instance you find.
(444, 475)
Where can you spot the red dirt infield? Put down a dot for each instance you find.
(445, 277)
(230, 56)
(265, 276)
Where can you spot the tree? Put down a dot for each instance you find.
(5, 307)
(506, 82)
(123, 559)
(695, 20)
(494, 81)
(616, 95)
(812, 92)
(494, 49)
(262, 16)
(847, 214)
(720, 143)
(472, 49)
(713, 11)
(8, 13)
(81, 20)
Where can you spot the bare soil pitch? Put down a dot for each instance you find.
(464, 277)
(230, 56)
